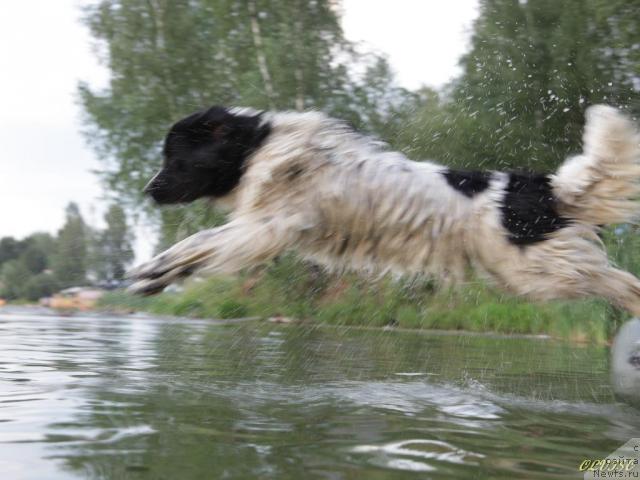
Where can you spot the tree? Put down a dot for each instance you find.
(169, 58)
(10, 248)
(23, 271)
(13, 278)
(37, 252)
(532, 70)
(112, 248)
(38, 286)
(69, 262)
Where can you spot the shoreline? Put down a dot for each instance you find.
(140, 314)
(283, 296)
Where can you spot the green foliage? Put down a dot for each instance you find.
(10, 248)
(14, 277)
(288, 289)
(111, 249)
(40, 264)
(43, 284)
(24, 271)
(34, 251)
(348, 301)
(532, 70)
(35, 259)
(231, 308)
(69, 262)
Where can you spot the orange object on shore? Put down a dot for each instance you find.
(75, 298)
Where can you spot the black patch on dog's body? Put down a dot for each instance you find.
(469, 183)
(529, 210)
(205, 155)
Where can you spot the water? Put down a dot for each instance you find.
(144, 398)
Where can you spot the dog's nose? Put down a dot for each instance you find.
(148, 188)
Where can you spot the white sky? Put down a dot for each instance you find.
(423, 39)
(44, 52)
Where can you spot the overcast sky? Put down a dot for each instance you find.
(45, 51)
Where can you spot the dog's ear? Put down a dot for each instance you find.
(216, 137)
(215, 132)
(244, 129)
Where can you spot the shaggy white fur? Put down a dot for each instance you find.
(340, 199)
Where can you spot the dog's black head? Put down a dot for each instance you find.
(205, 153)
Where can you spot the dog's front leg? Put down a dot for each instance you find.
(229, 248)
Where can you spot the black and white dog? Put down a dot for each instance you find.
(308, 182)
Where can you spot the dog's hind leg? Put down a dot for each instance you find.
(614, 285)
(577, 268)
(619, 287)
(228, 248)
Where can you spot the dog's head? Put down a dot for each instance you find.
(205, 153)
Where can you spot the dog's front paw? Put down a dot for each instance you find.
(159, 272)
(147, 287)
(149, 281)
(183, 259)
(154, 268)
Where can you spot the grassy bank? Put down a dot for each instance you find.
(292, 289)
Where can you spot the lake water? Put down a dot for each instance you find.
(147, 398)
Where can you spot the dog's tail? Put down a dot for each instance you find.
(602, 186)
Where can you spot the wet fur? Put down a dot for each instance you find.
(309, 183)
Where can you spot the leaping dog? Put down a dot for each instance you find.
(307, 182)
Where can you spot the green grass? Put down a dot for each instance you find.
(294, 289)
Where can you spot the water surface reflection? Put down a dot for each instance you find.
(140, 397)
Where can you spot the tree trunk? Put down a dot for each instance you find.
(297, 72)
(157, 12)
(262, 59)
